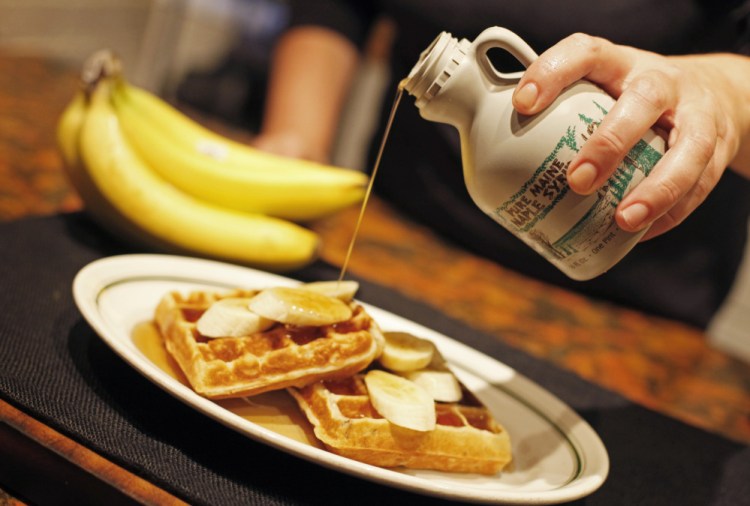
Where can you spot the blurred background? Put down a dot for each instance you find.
(209, 56)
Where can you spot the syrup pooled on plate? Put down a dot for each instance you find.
(276, 411)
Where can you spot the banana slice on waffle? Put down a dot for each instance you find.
(265, 356)
(466, 437)
(368, 420)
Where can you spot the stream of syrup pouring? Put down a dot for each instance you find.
(272, 410)
(396, 101)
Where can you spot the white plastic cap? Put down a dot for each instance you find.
(435, 66)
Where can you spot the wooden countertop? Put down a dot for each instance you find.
(661, 364)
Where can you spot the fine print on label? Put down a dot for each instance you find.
(560, 224)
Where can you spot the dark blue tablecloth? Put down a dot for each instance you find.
(55, 368)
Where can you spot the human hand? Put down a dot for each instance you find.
(695, 100)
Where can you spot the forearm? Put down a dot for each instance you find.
(311, 72)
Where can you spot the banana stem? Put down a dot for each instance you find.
(103, 64)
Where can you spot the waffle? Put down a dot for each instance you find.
(279, 357)
(467, 438)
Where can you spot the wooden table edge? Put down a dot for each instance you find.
(85, 464)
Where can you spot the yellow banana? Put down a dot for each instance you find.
(69, 128)
(98, 207)
(158, 210)
(226, 173)
(201, 141)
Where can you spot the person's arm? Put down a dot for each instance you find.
(311, 72)
(702, 102)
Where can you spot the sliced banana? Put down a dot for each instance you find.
(441, 385)
(400, 401)
(406, 352)
(231, 317)
(297, 306)
(343, 290)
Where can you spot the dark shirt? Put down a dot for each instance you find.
(684, 274)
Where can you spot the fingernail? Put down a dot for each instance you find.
(635, 215)
(525, 97)
(582, 178)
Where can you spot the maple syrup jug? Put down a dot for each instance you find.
(515, 166)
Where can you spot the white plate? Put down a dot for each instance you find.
(557, 456)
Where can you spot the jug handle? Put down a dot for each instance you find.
(497, 37)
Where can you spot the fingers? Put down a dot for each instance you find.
(639, 107)
(640, 104)
(666, 187)
(677, 214)
(649, 90)
(680, 182)
(571, 59)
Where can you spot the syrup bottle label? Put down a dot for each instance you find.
(560, 224)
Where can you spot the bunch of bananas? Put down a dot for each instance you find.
(147, 171)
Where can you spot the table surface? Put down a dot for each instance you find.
(661, 364)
